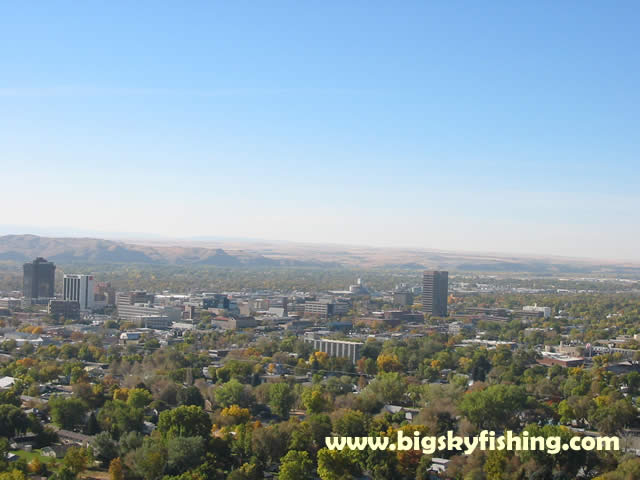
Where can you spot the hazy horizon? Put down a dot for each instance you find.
(235, 243)
(480, 128)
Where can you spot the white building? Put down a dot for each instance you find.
(7, 382)
(336, 348)
(546, 311)
(81, 289)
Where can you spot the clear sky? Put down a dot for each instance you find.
(486, 126)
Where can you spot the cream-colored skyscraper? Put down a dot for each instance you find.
(81, 289)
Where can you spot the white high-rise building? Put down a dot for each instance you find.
(81, 289)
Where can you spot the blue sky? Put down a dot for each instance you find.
(502, 126)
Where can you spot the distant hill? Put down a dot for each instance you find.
(227, 253)
(23, 248)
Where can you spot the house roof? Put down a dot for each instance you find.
(6, 382)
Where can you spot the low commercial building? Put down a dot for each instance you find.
(296, 308)
(527, 316)
(404, 316)
(378, 322)
(488, 344)
(216, 301)
(546, 311)
(105, 293)
(494, 311)
(297, 325)
(69, 309)
(336, 348)
(234, 323)
(456, 328)
(341, 308)
(10, 302)
(404, 299)
(565, 361)
(157, 322)
(22, 338)
(130, 338)
(134, 305)
(326, 308)
(323, 309)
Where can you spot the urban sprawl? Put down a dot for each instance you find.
(105, 382)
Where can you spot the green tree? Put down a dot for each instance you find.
(247, 471)
(10, 397)
(184, 453)
(185, 421)
(567, 462)
(314, 401)
(13, 475)
(270, 443)
(388, 387)
(139, 398)
(627, 470)
(296, 465)
(611, 416)
(129, 442)
(67, 412)
(352, 423)
(281, 399)
(118, 417)
(76, 459)
(486, 408)
(633, 382)
(232, 393)
(190, 396)
(12, 421)
(92, 427)
(496, 465)
(4, 451)
(302, 438)
(149, 461)
(105, 449)
(337, 465)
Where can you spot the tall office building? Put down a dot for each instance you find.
(38, 281)
(81, 289)
(435, 291)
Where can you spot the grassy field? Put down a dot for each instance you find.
(28, 456)
(88, 474)
(94, 475)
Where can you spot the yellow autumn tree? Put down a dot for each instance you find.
(320, 358)
(235, 414)
(388, 362)
(35, 466)
(121, 394)
(115, 469)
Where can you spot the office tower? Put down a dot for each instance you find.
(38, 280)
(435, 290)
(81, 289)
